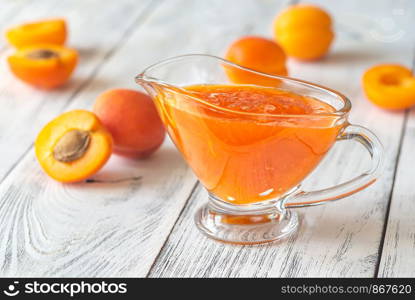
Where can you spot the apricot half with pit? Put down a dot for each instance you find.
(73, 146)
(44, 66)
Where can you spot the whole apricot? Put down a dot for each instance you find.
(133, 121)
(44, 66)
(390, 86)
(73, 146)
(256, 53)
(51, 31)
(304, 31)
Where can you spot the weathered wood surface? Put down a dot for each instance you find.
(139, 221)
(398, 252)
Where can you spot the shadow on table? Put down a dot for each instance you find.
(350, 57)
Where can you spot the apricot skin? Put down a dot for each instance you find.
(133, 121)
(304, 31)
(390, 86)
(259, 54)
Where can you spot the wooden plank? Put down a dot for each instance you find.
(398, 255)
(26, 109)
(109, 228)
(341, 239)
(118, 228)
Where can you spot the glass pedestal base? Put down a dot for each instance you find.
(246, 229)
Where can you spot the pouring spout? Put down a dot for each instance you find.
(150, 85)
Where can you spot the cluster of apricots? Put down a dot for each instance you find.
(301, 31)
(304, 32)
(78, 143)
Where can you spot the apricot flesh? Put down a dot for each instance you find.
(390, 86)
(304, 31)
(52, 31)
(259, 54)
(133, 121)
(73, 146)
(43, 66)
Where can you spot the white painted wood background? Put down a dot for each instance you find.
(144, 227)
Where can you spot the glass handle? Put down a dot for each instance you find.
(375, 149)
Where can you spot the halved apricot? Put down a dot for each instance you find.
(43, 32)
(73, 146)
(259, 54)
(390, 86)
(44, 66)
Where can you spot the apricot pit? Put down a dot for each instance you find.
(72, 145)
(41, 54)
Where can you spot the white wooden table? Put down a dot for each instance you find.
(126, 227)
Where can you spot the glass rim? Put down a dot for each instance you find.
(142, 77)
